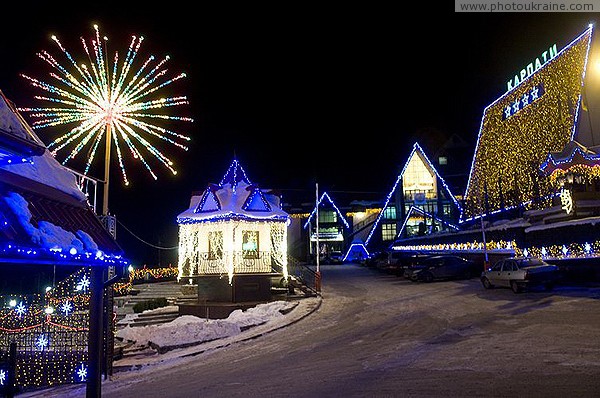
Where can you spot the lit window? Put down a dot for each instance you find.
(327, 216)
(389, 213)
(215, 245)
(442, 160)
(250, 244)
(388, 231)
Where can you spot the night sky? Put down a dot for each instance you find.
(297, 93)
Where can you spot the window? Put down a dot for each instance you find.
(388, 231)
(326, 216)
(389, 213)
(215, 245)
(250, 244)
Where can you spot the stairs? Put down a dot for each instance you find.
(170, 290)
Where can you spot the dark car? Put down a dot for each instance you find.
(441, 267)
(394, 262)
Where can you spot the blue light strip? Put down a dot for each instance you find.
(12, 252)
(508, 208)
(416, 147)
(569, 159)
(233, 170)
(364, 249)
(323, 196)
(588, 30)
(230, 216)
(425, 214)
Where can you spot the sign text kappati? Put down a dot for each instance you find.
(532, 67)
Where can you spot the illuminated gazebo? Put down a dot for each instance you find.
(233, 240)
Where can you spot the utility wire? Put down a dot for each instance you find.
(143, 241)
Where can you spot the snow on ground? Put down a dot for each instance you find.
(188, 329)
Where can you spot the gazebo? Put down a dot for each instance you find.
(233, 240)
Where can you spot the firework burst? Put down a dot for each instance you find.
(114, 100)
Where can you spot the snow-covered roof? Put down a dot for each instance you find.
(234, 197)
(42, 168)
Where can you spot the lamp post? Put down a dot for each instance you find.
(318, 251)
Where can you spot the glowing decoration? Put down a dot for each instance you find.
(526, 99)
(20, 309)
(233, 227)
(532, 67)
(566, 201)
(3, 377)
(83, 284)
(417, 156)
(55, 345)
(587, 248)
(49, 310)
(505, 167)
(117, 100)
(525, 253)
(565, 250)
(544, 252)
(66, 308)
(325, 195)
(42, 342)
(82, 373)
(12, 303)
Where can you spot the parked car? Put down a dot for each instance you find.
(441, 267)
(394, 262)
(520, 273)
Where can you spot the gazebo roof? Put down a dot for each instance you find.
(235, 197)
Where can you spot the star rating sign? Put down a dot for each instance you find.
(515, 106)
(534, 93)
(525, 99)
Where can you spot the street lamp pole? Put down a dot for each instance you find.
(318, 251)
(106, 169)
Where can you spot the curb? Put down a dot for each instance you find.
(250, 334)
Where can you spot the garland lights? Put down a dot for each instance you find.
(326, 196)
(505, 166)
(550, 252)
(50, 330)
(416, 147)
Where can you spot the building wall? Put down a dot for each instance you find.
(518, 131)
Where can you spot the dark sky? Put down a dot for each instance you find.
(298, 93)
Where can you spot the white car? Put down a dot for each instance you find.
(518, 273)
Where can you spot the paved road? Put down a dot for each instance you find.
(377, 335)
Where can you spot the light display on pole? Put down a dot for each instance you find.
(118, 101)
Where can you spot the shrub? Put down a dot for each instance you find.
(150, 304)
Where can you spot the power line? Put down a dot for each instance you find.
(143, 241)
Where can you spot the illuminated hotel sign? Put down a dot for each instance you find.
(532, 68)
(519, 103)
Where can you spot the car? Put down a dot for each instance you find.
(520, 273)
(336, 257)
(394, 262)
(438, 267)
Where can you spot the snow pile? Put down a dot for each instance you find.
(48, 235)
(188, 329)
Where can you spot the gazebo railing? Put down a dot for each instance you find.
(244, 262)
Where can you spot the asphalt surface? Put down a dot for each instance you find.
(378, 335)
